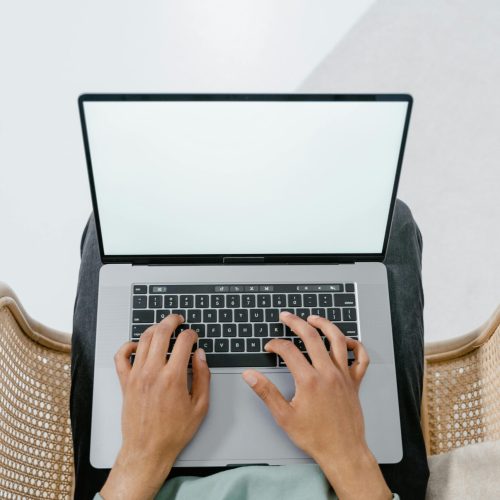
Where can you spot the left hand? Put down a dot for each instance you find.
(160, 416)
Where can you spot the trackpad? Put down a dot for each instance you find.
(239, 427)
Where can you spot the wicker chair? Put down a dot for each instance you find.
(460, 404)
(36, 449)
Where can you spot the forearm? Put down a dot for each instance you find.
(132, 478)
(356, 476)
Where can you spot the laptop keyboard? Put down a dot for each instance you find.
(234, 322)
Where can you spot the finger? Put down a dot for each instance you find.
(294, 359)
(179, 359)
(200, 388)
(158, 348)
(338, 348)
(314, 345)
(361, 359)
(141, 353)
(122, 362)
(269, 393)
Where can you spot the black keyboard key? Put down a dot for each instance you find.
(272, 315)
(137, 330)
(233, 301)
(140, 302)
(276, 329)
(263, 300)
(244, 360)
(319, 311)
(181, 328)
(142, 316)
(182, 312)
(187, 301)
(245, 330)
(225, 315)
(140, 289)
(155, 301)
(325, 300)
(344, 300)
(194, 315)
(161, 314)
(210, 316)
(253, 345)
(349, 287)
(264, 342)
(221, 345)
(300, 344)
(282, 363)
(206, 344)
(294, 300)
(199, 329)
(171, 301)
(349, 314)
(289, 309)
(213, 330)
(217, 301)
(251, 288)
(229, 330)
(303, 313)
(241, 315)
(348, 329)
(237, 345)
(261, 330)
(256, 315)
(333, 314)
(279, 300)
(288, 331)
(310, 300)
(201, 301)
(248, 301)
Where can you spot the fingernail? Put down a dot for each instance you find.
(201, 355)
(249, 378)
(313, 316)
(286, 313)
(182, 317)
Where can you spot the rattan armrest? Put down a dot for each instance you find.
(460, 403)
(49, 337)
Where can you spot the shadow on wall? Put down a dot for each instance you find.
(446, 54)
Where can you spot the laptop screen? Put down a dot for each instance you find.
(243, 176)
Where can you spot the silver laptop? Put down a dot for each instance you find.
(229, 209)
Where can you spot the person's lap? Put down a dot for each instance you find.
(403, 261)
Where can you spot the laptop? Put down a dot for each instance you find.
(229, 208)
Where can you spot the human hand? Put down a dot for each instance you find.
(324, 418)
(159, 416)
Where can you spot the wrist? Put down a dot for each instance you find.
(355, 475)
(136, 476)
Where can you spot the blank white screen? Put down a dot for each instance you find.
(244, 177)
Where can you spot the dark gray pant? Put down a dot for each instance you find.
(403, 261)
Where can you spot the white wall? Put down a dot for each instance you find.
(51, 51)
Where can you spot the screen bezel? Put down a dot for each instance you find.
(242, 258)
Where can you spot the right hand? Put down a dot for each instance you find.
(324, 418)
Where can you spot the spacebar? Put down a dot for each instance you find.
(241, 360)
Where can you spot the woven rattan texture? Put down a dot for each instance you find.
(464, 398)
(36, 451)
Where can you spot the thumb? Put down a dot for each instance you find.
(268, 392)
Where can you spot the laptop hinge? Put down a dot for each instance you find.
(243, 260)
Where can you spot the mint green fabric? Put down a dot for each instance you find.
(287, 482)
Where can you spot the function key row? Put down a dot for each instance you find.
(163, 289)
(244, 300)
